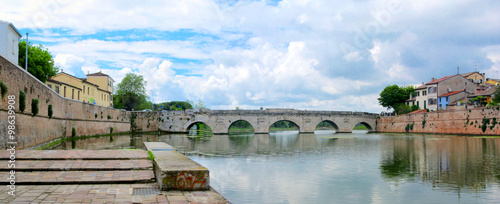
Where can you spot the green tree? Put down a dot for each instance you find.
(40, 61)
(176, 105)
(394, 96)
(131, 93)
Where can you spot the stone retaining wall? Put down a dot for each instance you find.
(479, 121)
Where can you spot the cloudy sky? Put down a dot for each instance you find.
(302, 54)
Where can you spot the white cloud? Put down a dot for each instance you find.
(68, 63)
(252, 54)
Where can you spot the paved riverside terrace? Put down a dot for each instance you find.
(89, 176)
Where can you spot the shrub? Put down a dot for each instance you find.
(22, 101)
(73, 132)
(110, 130)
(34, 106)
(4, 89)
(109, 116)
(50, 111)
(95, 115)
(151, 156)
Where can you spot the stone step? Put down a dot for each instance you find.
(77, 177)
(75, 154)
(77, 165)
(175, 171)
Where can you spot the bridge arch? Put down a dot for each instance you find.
(329, 122)
(367, 125)
(197, 125)
(242, 124)
(295, 123)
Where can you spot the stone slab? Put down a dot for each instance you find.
(175, 171)
(75, 154)
(59, 165)
(78, 177)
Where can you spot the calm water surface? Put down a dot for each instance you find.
(287, 167)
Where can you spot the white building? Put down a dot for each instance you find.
(9, 41)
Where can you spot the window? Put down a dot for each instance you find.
(83, 88)
(424, 93)
(72, 93)
(64, 91)
(14, 47)
(78, 95)
(57, 89)
(50, 86)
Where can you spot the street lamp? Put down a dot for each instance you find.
(26, 60)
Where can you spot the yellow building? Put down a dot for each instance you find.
(97, 88)
(476, 77)
(494, 82)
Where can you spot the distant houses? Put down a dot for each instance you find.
(454, 92)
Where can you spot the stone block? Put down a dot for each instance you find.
(174, 171)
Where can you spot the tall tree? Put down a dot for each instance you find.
(130, 92)
(394, 96)
(40, 61)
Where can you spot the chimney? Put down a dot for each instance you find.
(62, 70)
(433, 79)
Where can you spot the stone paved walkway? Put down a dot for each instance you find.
(106, 193)
(55, 165)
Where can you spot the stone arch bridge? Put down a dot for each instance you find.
(261, 120)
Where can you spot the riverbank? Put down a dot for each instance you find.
(478, 121)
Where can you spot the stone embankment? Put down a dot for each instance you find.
(478, 121)
(175, 171)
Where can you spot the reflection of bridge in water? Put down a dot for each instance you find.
(261, 120)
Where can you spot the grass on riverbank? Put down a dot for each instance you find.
(361, 127)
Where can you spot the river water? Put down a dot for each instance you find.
(288, 167)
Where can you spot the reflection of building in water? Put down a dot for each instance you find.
(447, 162)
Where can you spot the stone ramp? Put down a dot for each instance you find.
(50, 167)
